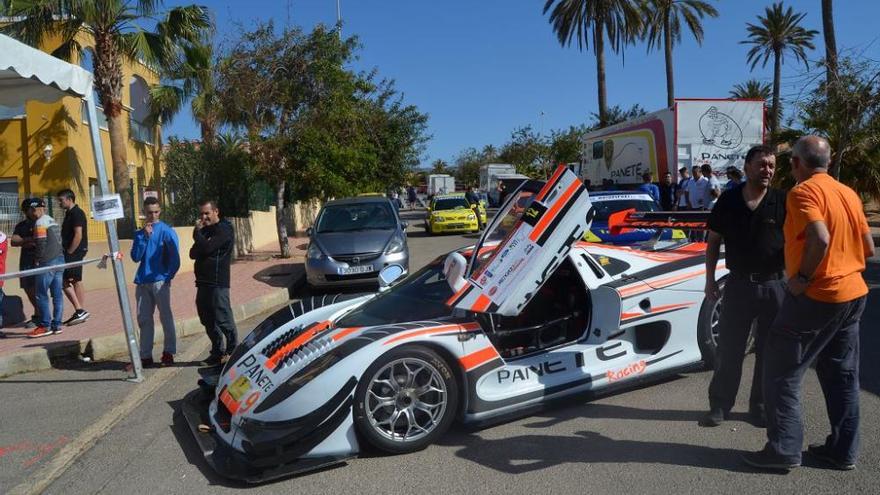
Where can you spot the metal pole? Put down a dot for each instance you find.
(339, 19)
(118, 270)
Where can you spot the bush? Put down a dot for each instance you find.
(222, 171)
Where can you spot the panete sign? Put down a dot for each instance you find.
(719, 132)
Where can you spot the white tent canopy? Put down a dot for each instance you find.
(30, 74)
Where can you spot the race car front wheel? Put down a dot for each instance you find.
(710, 317)
(406, 400)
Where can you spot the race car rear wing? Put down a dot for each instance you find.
(627, 220)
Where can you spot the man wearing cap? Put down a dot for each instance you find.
(48, 252)
(23, 237)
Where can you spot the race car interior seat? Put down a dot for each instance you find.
(558, 314)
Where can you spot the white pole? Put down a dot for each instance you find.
(118, 270)
(339, 19)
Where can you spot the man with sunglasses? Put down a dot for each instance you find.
(156, 248)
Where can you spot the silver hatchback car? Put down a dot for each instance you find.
(352, 240)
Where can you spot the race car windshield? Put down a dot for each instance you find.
(421, 296)
(605, 208)
(450, 204)
(356, 216)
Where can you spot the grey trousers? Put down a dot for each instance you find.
(148, 296)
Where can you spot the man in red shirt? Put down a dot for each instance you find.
(827, 240)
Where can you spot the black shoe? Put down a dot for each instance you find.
(79, 316)
(212, 360)
(757, 417)
(768, 461)
(820, 451)
(713, 418)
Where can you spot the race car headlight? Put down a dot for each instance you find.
(395, 246)
(471, 217)
(438, 218)
(314, 252)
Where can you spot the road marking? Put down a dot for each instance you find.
(51, 471)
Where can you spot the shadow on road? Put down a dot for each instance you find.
(869, 374)
(528, 453)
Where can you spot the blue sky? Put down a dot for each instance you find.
(481, 68)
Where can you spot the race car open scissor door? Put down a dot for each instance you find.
(534, 231)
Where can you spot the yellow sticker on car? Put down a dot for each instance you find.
(239, 387)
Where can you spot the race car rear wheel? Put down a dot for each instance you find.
(406, 400)
(710, 317)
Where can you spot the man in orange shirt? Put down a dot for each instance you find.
(827, 240)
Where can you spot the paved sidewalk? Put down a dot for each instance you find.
(259, 280)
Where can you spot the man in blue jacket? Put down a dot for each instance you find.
(650, 188)
(156, 248)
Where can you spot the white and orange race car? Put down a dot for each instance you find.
(528, 315)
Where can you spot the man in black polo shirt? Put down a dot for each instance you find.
(748, 219)
(75, 242)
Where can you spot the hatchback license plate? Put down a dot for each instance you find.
(355, 269)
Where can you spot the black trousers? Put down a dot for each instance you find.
(212, 304)
(744, 302)
(807, 331)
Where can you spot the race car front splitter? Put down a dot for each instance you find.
(231, 463)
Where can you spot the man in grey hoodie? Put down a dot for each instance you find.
(48, 252)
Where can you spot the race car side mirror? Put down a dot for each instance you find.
(389, 274)
(309, 232)
(454, 269)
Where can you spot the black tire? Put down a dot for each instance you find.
(707, 330)
(370, 432)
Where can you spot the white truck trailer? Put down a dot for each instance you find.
(693, 132)
(440, 184)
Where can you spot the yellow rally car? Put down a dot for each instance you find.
(451, 213)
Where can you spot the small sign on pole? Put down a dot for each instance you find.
(108, 207)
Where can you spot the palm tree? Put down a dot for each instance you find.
(777, 32)
(752, 89)
(830, 43)
(663, 20)
(190, 78)
(590, 21)
(114, 26)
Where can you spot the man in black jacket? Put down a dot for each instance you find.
(213, 240)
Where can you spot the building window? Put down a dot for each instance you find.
(139, 93)
(87, 62)
(10, 113)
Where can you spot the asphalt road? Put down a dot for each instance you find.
(644, 440)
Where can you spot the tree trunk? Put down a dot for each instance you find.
(600, 77)
(280, 222)
(830, 44)
(670, 79)
(774, 114)
(208, 131)
(108, 84)
(116, 125)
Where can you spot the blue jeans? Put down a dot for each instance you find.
(806, 331)
(46, 283)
